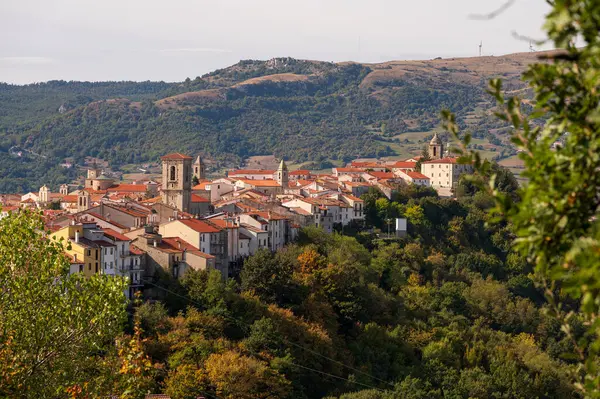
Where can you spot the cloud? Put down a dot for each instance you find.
(195, 50)
(11, 61)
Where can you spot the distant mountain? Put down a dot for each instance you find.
(305, 111)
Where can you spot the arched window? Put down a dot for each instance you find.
(434, 151)
(172, 174)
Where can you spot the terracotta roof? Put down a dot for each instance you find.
(443, 160)
(299, 172)
(222, 223)
(268, 215)
(135, 250)
(403, 165)
(359, 164)
(382, 175)
(352, 197)
(175, 156)
(179, 244)
(199, 226)
(349, 170)
(201, 185)
(416, 175)
(251, 172)
(128, 188)
(115, 235)
(300, 211)
(261, 183)
(198, 198)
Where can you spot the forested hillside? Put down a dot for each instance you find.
(448, 312)
(301, 110)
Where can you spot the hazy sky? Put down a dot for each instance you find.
(170, 40)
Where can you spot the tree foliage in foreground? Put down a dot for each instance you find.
(53, 326)
(556, 219)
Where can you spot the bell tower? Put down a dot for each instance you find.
(282, 175)
(199, 169)
(176, 185)
(83, 201)
(436, 148)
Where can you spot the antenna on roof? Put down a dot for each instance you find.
(480, 46)
(531, 48)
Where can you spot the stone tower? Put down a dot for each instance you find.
(199, 169)
(282, 176)
(64, 189)
(177, 181)
(83, 201)
(436, 148)
(44, 195)
(92, 173)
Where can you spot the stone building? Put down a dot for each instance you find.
(177, 181)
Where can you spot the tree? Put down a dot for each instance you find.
(236, 376)
(268, 276)
(556, 218)
(51, 323)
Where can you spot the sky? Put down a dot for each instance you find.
(170, 40)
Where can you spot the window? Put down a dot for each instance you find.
(111, 251)
(80, 268)
(111, 265)
(96, 267)
(89, 266)
(89, 252)
(173, 173)
(105, 266)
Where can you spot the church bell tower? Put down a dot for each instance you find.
(177, 181)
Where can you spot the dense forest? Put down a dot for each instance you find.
(305, 111)
(448, 312)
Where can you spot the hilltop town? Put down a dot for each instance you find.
(188, 221)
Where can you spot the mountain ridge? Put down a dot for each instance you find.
(306, 111)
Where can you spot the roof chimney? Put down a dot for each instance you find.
(154, 243)
(77, 236)
(75, 257)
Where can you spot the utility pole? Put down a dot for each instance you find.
(480, 46)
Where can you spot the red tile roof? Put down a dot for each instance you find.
(299, 172)
(198, 198)
(135, 250)
(382, 175)
(128, 188)
(115, 235)
(417, 175)
(179, 244)
(251, 172)
(349, 170)
(403, 165)
(443, 160)
(199, 226)
(261, 183)
(174, 156)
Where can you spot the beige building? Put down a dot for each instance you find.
(445, 172)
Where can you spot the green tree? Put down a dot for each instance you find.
(51, 323)
(556, 218)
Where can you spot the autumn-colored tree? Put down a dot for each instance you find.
(236, 376)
